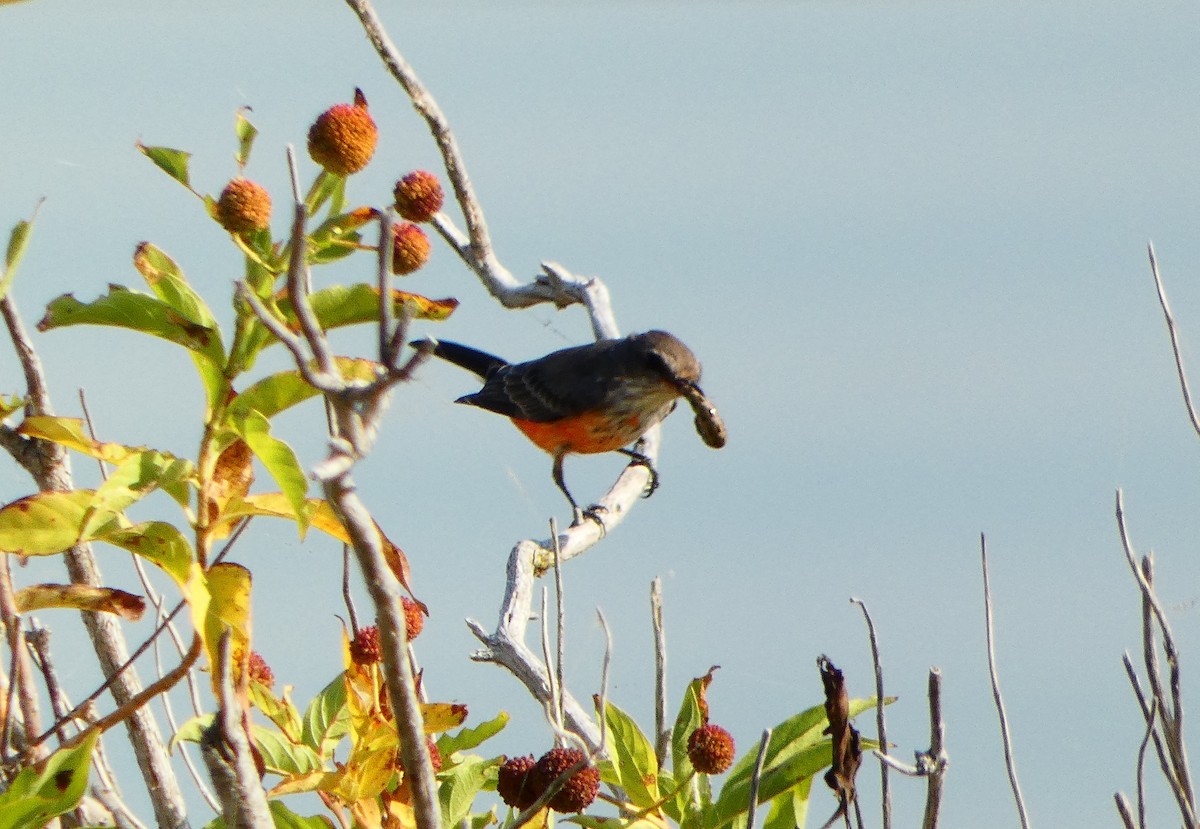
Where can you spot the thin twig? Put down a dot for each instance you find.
(1171, 716)
(1148, 715)
(936, 756)
(1009, 762)
(1124, 811)
(662, 730)
(1166, 309)
(346, 595)
(880, 720)
(602, 705)
(1141, 766)
(560, 622)
(756, 778)
(554, 706)
(38, 640)
(22, 673)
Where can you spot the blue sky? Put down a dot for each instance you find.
(907, 241)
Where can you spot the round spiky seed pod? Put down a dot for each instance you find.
(410, 248)
(710, 748)
(243, 207)
(343, 138)
(418, 196)
(414, 618)
(512, 782)
(365, 648)
(259, 670)
(580, 790)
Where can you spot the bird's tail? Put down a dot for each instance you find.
(473, 360)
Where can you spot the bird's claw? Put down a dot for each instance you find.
(593, 513)
(652, 484)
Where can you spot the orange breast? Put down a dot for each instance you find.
(585, 434)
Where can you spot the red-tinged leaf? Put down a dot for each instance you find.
(157, 542)
(81, 597)
(172, 162)
(44, 524)
(341, 305)
(228, 608)
(164, 276)
(231, 477)
(442, 716)
(123, 308)
(50, 788)
(633, 757)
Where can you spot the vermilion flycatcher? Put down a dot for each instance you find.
(592, 398)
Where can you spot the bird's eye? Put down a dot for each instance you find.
(656, 362)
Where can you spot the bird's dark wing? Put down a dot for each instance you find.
(562, 384)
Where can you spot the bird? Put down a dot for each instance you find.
(588, 399)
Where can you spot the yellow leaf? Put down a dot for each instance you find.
(81, 597)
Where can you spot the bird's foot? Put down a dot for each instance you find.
(638, 459)
(592, 513)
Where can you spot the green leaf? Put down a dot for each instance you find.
(273, 394)
(18, 240)
(633, 756)
(44, 524)
(280, 461)
(245, 132)
(458, 787)
(10, 404)
(797, 749)
(469, 738)
(157, 542)
(51, 788)
(279, 710)
(325, 186)
(172, 162)
(285, 818)
(690, 804)
(124, 308)
(776, 780)
(790, 809)
(283, 757)
(168, 283)
(327, 718)
(191, 731)
(340, 305)
(133, 480)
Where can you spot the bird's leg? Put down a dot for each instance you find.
(592, 512)
(638, 459)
